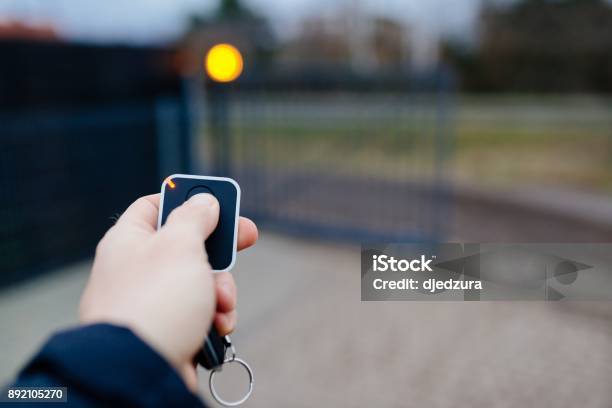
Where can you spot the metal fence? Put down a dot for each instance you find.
(81, 137)
(359, 160)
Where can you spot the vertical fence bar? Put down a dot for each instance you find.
(441, 217)
(218, 116)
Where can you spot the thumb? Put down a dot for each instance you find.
(197, 217)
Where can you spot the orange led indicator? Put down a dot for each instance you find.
(170, 183)
(224, 63)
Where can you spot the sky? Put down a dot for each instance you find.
(159, 21)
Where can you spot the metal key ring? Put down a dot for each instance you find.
(216, 396)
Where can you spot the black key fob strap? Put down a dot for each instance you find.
(212, 354)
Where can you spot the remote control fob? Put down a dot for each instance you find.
(220, 245)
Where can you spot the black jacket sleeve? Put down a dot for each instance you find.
(106, 365)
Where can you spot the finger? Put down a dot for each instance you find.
(247, 233)
(190, 376)
(226, 322)
(196, 217)
(142, 213)
(226, 292)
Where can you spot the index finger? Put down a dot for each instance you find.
(247, 233)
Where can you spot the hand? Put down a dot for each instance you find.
(159, 283)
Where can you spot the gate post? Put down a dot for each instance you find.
(218, 114)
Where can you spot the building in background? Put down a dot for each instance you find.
(349, 39)
(17, 30)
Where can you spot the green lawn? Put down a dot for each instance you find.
(555, 141)
(510, 140)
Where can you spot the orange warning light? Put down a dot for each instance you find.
(224, 63)
(170, 183)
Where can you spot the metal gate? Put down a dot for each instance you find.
(360, 160)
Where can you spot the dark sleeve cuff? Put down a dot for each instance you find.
(109, 364)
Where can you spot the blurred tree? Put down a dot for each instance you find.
(539, 45)
(232, 9)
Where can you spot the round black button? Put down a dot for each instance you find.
(198, 190)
